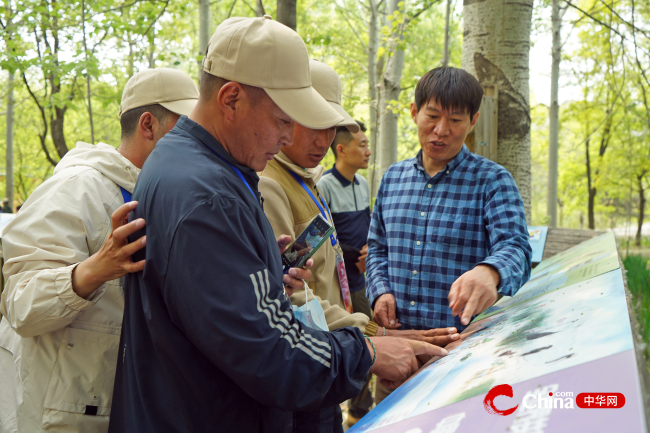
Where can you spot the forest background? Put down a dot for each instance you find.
(70, 60)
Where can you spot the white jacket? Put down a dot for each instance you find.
(67, 355)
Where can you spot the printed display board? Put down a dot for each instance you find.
(567, 333)
(537, 241)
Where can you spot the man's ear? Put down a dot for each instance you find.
(148, 125)
(340, 149)
(229, 95)
(474, 120)
(414, 111)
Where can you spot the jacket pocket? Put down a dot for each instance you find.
(81, 384)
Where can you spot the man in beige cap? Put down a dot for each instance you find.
(65, 254)
(292, 199)
(209, 341)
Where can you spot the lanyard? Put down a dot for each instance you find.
(237, 171)
(126, 195)
(318, 203)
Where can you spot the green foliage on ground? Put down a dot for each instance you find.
(638, 281)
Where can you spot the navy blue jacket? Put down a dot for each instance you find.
(208, 344)
(350, 206)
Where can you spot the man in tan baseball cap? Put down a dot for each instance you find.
(66, 253)
(209, 341)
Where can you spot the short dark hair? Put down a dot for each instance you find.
(452, 88)
(211, 84)
(344, 136)
(129, 120)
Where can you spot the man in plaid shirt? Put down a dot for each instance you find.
(448, 230)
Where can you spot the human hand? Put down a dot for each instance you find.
(113, 260)
(437, 336)
(384, 312)
(294, 279)
(397, 358)
(473, 292)
(361, 262)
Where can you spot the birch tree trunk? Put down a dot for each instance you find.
(10, 140)
(90, 106)
(390, 88)
(496, 48)
(641, 191)
(554, 116)
(259, 8)
(204, 32)
(445, 55)
(373, 47)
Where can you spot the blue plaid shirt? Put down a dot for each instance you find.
(427, 231)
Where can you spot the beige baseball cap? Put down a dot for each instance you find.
(261, 52)
(328, 84)
(171, 88)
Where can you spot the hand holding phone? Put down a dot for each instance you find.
(306, 244)
(294, 280)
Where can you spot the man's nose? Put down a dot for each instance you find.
(442, 127)
(287, 134)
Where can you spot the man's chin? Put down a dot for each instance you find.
(259, 166)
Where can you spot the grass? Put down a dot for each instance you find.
(638, 281)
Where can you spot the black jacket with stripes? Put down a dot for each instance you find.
(208, 344)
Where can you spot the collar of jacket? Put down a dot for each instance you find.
(306, 173)
(342, 179)
(201, 134)
(105, 159)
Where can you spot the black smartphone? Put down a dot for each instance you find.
(307, 243)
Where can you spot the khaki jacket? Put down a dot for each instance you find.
(290, 209)
(64, 347)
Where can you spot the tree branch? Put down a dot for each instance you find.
(44, 118)
(157, 18)
(593, 18)
(643, 32)
(358, 63)
(250, 7)
(231, 8)
(365, 49)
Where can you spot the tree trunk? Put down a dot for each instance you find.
(286, 13)
(259, 8)
(152, 47)
(390, 88)
(10, 141)
(641, 208)
(554, 117)
(496, 48)
(591, 190)
(445, 55)
(90, 107)
(373, 47)
(204, 32)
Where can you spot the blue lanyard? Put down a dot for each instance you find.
(318, 203)
(237, 171)
(126, 195)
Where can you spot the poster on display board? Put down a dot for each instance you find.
(542, 335)
(537, 241)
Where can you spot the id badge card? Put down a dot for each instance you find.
(343, 279)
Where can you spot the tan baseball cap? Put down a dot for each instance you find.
(328, 84)
(261, 52)
(171, 88)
